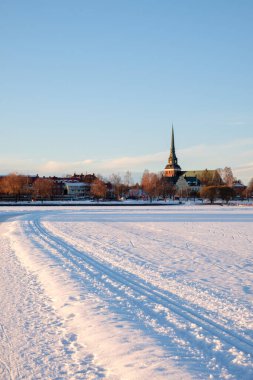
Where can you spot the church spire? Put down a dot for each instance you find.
(172, 157)
(172, 139)
(172, 169)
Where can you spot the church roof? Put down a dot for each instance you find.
(198, 173)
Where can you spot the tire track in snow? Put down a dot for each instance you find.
(122, 279)
(139, 262)
(192, 247)
(145, 289)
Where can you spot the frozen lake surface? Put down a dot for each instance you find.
(126, 292)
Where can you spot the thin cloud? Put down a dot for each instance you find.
(61, 166)
(115, 164)
(134, 162)
(237, 154)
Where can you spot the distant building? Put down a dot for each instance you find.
(187, 180)
(238, 188)
(74, 189)
(73, 186)
(189, 184)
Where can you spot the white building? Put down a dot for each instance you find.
(75, 189)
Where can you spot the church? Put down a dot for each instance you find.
(187, 180)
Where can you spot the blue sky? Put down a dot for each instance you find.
(95, 85)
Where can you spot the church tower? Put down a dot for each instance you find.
(172, 169)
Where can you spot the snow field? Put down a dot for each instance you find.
(141, 293)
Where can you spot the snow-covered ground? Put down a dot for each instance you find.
(126, 292)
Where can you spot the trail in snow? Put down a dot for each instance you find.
(149, 293)
(34, 343)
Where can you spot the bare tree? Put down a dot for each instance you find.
(115, 180)
(128, 180)
(227, 176)
(226, 193)
(165, 189)
(98, 189)
(149, 183)
(209, 192)
(15, 185)
(216, 179)
(249, 190)
(250, 184)
(43, 188)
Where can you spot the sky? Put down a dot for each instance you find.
(94, 86)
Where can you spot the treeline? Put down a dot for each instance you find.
(22, 187)
(225, 193)
(152, 186)
(218, 185)
(19, 187)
